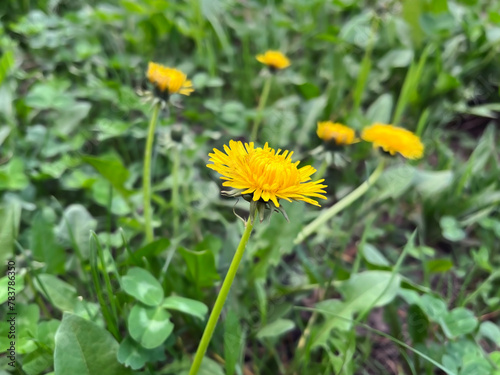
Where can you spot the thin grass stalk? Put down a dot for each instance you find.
(340, 205)
(97, 285)
(221, 299)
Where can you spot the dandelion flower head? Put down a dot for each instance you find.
(393, 139)
(265, 173)
(333, 131)
(274, 59)
(169, 79)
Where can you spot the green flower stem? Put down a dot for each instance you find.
(340, 205)
(146, 175)
(260, 108)
(221, 299)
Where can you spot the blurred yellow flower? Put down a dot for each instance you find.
(169, 79)
(393, 139)
(334, 131)
(265, 173)
(274, 59)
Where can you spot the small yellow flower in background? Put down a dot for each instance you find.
(334, 131)
(169, 79)
(265, 173)
(274, 59)
(393, 139)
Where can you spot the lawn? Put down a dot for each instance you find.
(155, 218)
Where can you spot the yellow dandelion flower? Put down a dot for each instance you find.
(274, 59)
(334, 131)
(169, 79)
(265, 173)
(393, 139)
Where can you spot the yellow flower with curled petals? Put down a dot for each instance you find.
(393, 139)
(169, 80)
(266, 174)
(334, 131)
(274, 59)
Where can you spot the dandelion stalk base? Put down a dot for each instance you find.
(146, 175)
(221, 299)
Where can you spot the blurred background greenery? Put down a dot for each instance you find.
(414, 263)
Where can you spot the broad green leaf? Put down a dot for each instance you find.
(110, 128)
(434, 307)
(275, 329)
(133, 7)
(47, 332)
(396, 58)
(69, 118)
(357, 30)
(112, 170)
(4, 133)
(28, 316)
(143, 286)
(51, 94)
(309, 90)
(381, 109)
(482, 258)
(61, 294)
(186, 305)
(57, 168)
(373, 256)
(411, 14)
(181, 367)
(395, 181)
(338, 316)
(12, 175)
(491, 331)
(437, 24)
(18, 281)
(312, 111)
(149, 326)
(209, 242)
(6, 63)
(10, 217)
(84, 348)
(26, 320)
(273, 248)
(451, 229)
(130, 354)
(201, 266)
(150, 250)
(36, 362)
(431, 183)
(439, 265)
(457, 322)
(212, 11)
(102, 194)
(370, 289)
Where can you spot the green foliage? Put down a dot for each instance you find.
(85, 348)
(405, 279)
